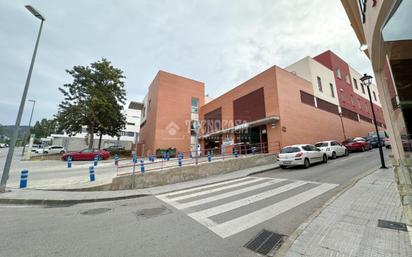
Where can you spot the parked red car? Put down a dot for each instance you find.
(356, 144)
(87, 154)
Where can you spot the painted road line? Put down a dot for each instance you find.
(204, 187)
(213, 190)
(239, 224)
(226, 195)
(245, 201)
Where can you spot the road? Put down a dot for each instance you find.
(213, 221)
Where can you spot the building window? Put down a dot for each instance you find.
(359, 104)
(343, 96)
(363, 88)
(367, 107)
(355, 83)
(347, 79)
(374, 96)
(131, 124)
(320, 85)
(129, 133)
(195, 105)
(332, 92)
(351, 100)
(338, 73)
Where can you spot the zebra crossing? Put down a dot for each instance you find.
(206, 203)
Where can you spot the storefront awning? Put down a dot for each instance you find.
(251, 124)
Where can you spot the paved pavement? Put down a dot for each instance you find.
(348, 226)
(207, 220)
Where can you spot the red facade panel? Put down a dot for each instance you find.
(249, 107)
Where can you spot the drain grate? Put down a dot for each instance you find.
(264, 242)
(95, 211)
(152, 212)
(392, 225)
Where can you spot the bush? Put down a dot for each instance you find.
(171, 151)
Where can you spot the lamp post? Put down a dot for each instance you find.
(6, 170)
(31, 116)
(367, 81)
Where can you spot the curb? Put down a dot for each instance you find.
(77, 201)
(281, 252)
(66, 202)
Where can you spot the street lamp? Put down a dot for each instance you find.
(6, 170)
(367, 81)
(31, 116)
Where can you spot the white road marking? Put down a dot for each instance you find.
(239, 224)
(224, 195)
(204, 187)
(245, 201)
(213, 190)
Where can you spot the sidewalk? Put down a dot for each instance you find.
(348, 225)
(30, 196)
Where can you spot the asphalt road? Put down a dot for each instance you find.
(212, 221)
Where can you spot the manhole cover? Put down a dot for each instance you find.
(95, 211)
(392, 225)
(264, 242)
(152, 212)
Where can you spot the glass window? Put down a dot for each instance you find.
(320, 84)
(355, 83)
(322, 144)
(343, 96)
(374, 96)
(332, 92)
(347, 79)
(363, 88)
(333, 143)
(338, 73)
(290, 150)
(195, 105)
(351, 100)
(359, 104)
(306, 148)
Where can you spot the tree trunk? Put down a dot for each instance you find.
(91, 140)
(100, 140)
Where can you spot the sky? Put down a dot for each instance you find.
(221, 43)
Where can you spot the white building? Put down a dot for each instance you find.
(128, 137)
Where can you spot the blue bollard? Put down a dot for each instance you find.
(167, 157)
(191, 155)
(91, 173)
(134, 158)
(23, 178)
(69, 162)
(116, 159)
(179, 161)
(95, 161)
(236, 152)
(142, 166)
(209, 157)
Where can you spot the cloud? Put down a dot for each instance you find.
(221, 43)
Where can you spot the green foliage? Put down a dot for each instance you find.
(44, 128)
(94, 99)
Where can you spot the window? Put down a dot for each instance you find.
(343, 96)
(374, 96)
(320, 84)
(195, 105)
(129, 133)
(307, 148)
(131, 123)
(338, 73)
(347, 79)
(366, 107)
(355, 83)
(333, 143)
(363, 88)
(332, 92)
(322, 144)
(359, 104)
(290, 150)
(351, 100)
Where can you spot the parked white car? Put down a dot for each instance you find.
(304, 154)
(54, 149)
(332, 148)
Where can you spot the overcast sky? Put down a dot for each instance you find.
(219, 42)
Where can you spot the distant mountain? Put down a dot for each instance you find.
(7, 130)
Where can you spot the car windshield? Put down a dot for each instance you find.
(290, 150)
(322, 144)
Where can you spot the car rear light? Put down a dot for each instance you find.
(299, 154)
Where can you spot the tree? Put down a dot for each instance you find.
(94, 99)
(44, 128)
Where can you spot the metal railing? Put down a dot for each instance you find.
(152, 162)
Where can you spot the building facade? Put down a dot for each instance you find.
(383, 30)
(170, 109)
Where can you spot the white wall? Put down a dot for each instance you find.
(356, 75)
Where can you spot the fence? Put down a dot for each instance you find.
(152, 163)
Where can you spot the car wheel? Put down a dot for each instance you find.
(282, 166)
(325, 158)
(61, 152)
(333, 155)
(45, 152)
(306, 163)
